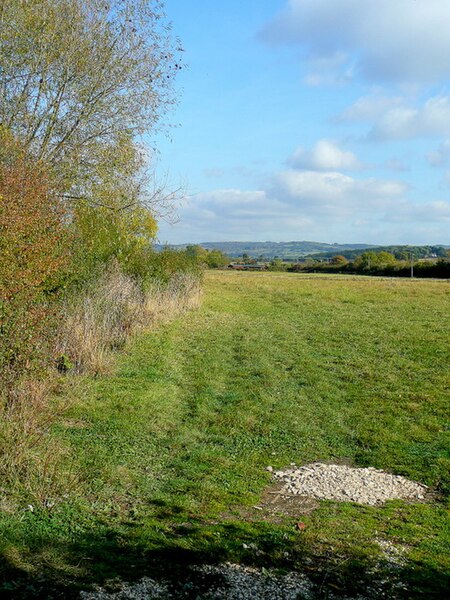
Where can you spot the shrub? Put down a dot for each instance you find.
(278, 265)
(339, 260)
(162, 266)
(33, 255)
(110, 233)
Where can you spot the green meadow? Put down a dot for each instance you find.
(166, 456)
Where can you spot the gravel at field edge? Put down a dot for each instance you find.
(342, 483)
(220, 582)
(321, 481)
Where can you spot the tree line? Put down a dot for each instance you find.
(81, 83)
(378, 263)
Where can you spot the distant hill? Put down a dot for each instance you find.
(270, 250)
(293, 251)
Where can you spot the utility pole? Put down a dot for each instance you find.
(412, 265)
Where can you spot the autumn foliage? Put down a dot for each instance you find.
(33, 253)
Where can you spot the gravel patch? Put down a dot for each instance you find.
(220, 582)
(144, 589)
(367, 486)
(228, 581)
(240, 582)
(393, 554)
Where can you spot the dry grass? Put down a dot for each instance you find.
(105, 316)
(163, 302)
(32, 462)
(99, 320)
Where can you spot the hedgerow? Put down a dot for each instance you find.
(34, 253)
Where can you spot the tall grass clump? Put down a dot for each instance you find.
(97, 319)
(165, 300)
(34, 467)
(108, 310)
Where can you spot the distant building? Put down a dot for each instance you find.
(248, 267)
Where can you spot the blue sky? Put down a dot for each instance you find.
(325, 120)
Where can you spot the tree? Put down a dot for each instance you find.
(104, 234)
(339, 260)
(197, 253)
(216, 259)
(78, 78)
(213, 259)
(33, 236)
(277, 264)
(374, 260)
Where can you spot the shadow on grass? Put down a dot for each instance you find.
(101, 558)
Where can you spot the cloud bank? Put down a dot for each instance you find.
(303, 202)
(382, 40)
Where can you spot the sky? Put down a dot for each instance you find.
(325, 120)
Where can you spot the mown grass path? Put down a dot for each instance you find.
(272, 369)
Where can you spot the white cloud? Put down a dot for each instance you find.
(332, 70)
(401, 123)
(312, 205)
(315, 199)
(240, 204)
(427, 212)
(334, 194)
(231, 214)
(393, 119)
(324, 156)
(386, 40)
(369, 108)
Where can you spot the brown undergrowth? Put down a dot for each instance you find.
(108, 313)
(33, 468)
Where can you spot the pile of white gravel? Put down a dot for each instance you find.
(368, 486)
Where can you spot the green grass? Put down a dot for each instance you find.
(273, 369)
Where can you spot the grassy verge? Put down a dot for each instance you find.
(273, 369)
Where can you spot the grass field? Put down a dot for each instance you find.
(167, 455)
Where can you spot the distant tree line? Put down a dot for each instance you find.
(372, 262)
(212, 259)
(399, 252)
(377, 263)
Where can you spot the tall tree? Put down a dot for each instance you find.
(81, 79)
